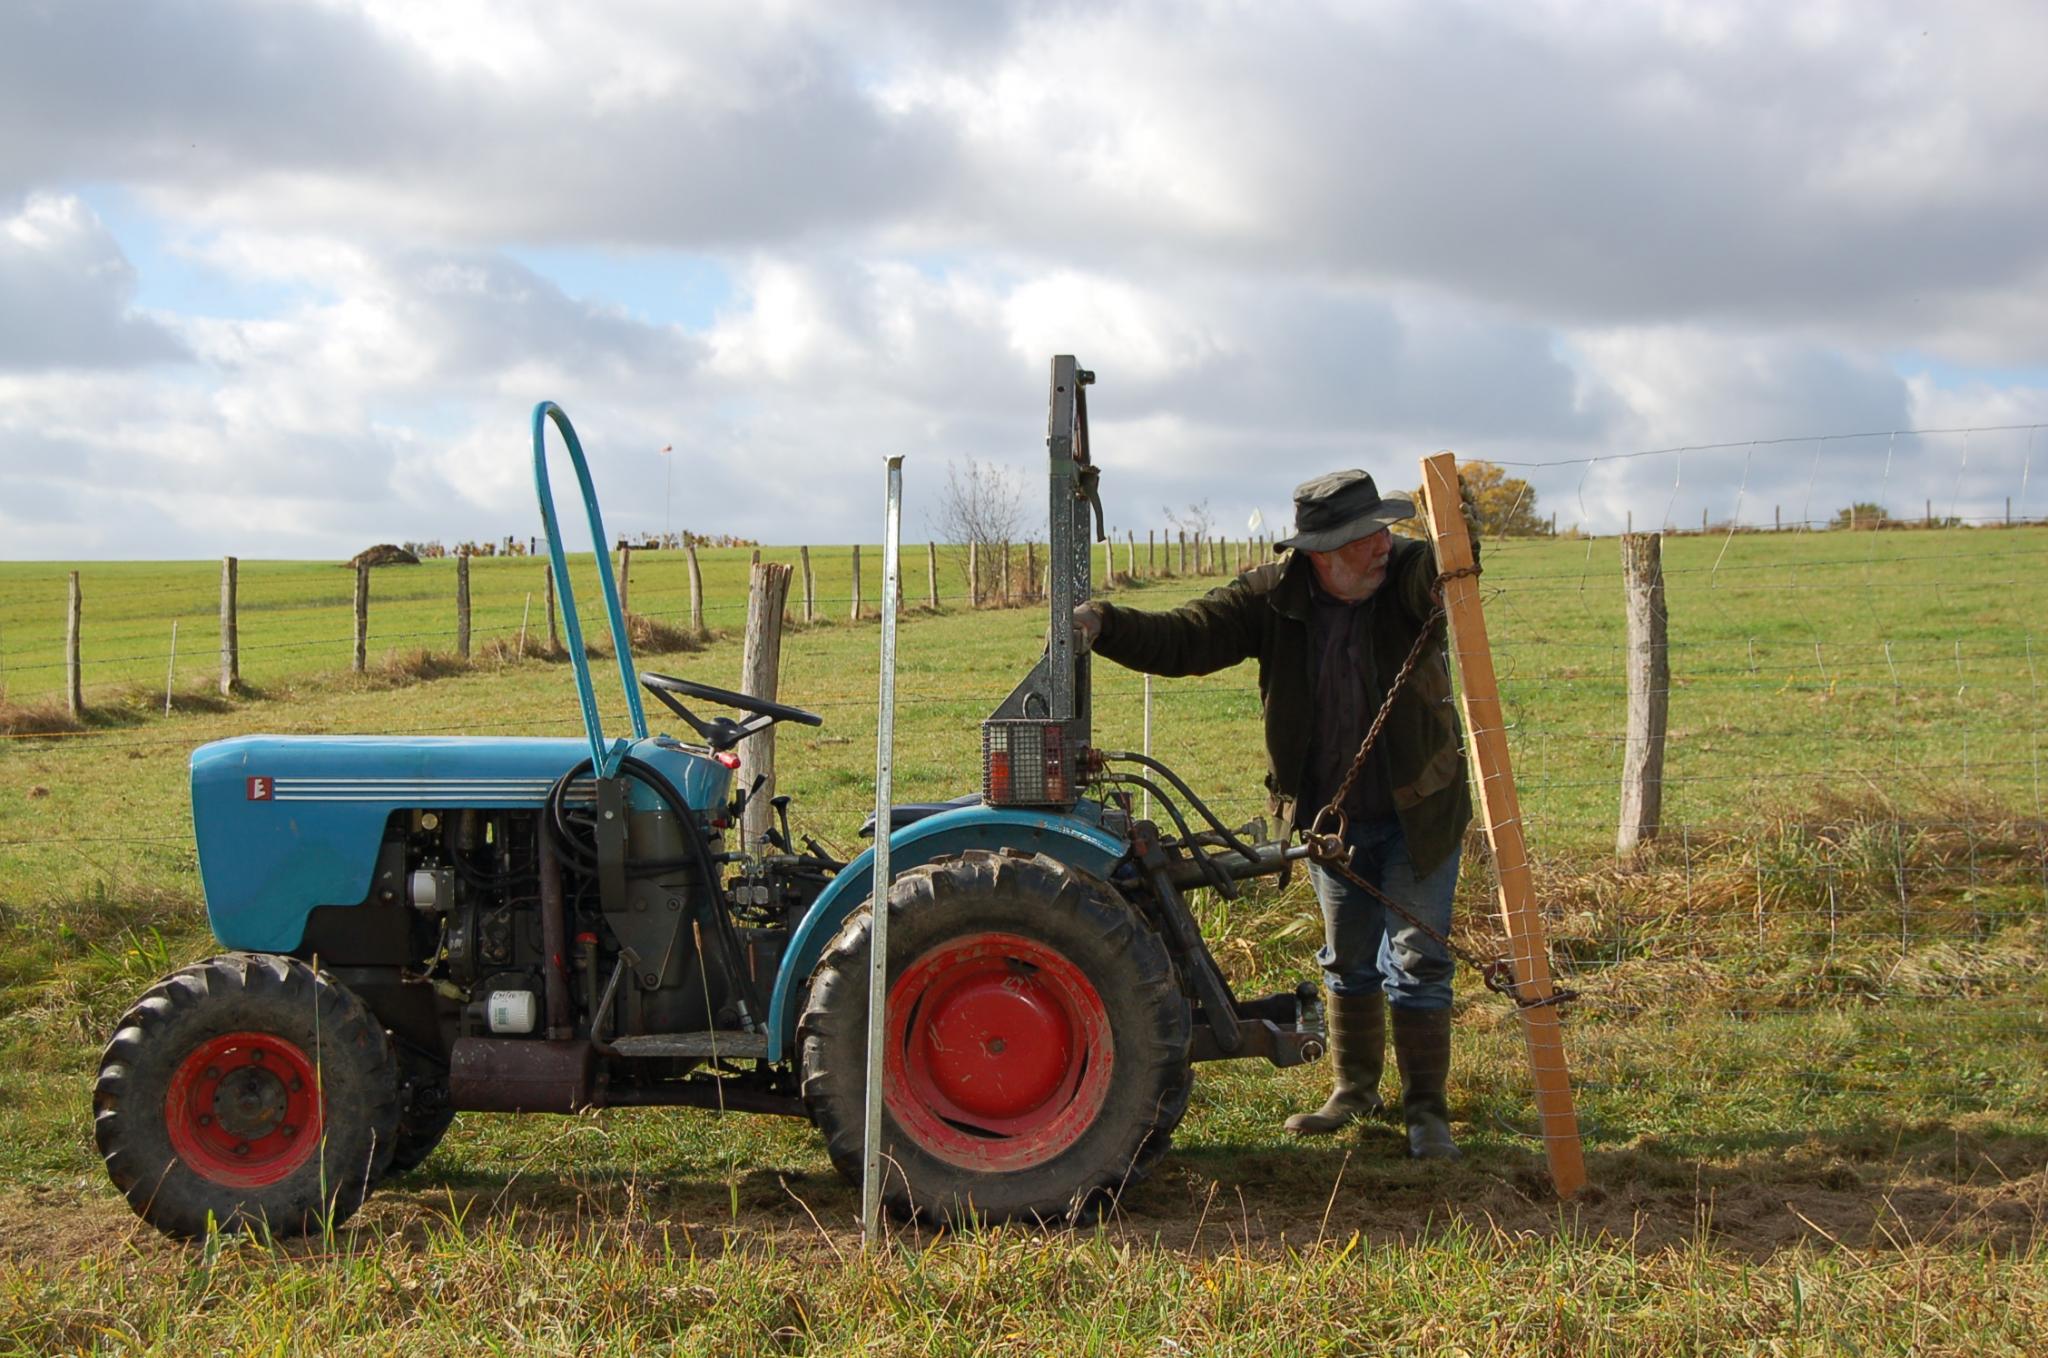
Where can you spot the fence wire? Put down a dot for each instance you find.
(1853, 807)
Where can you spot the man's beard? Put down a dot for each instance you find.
(1355, 586)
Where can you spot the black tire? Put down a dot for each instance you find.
(1118, 1081)
(208, 1093)
(425, 1116)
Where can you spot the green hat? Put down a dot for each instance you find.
(1341, 508)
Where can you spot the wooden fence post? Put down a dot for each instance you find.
(1108, 563)
(462, 604)
(696, 593)
(974, 575)
(760, 667)
(1030, 570)
(625, 579)
(362, 617)
(74, 680)
(554, 623)
(810, 584)
(1151, 556)
(230, 640)
(1649, 691)
(1183, 551)
(1005, 594)
(931, 575)
(1130, 554)
(1501, 812)
(856, 582)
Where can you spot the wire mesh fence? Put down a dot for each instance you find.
(1852, 791)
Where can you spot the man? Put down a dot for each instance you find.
(1330, 624)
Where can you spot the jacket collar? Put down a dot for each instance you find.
(1290, 598)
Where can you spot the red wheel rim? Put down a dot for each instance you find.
(244, 1109)
(999, 1052)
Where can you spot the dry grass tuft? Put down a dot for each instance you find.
(652, 636)
(36, 719)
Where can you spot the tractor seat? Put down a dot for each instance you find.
(911, 812)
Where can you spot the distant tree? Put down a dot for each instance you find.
(1863, 514)
(1194, 520)
(981, 506)
(1496, 504)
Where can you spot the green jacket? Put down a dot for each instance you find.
(1264, 614)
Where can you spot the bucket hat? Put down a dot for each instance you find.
(1340, 508)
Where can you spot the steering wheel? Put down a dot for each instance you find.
(722, 733)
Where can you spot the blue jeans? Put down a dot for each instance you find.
(1365, 945)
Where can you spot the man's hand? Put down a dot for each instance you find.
(1087, 624)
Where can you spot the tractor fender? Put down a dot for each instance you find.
(1076, 838)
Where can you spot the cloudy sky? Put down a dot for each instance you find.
(284, 279)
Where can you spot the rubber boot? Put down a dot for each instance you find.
(1358, 1049)
(1422, 1047)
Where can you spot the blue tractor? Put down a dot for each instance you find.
(418, 928)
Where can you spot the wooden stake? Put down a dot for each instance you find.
(760, 669)
(1648, 662)
(74, 679)
(931, 575)
(696, 594)
(230, 643)
(856, 587)
(810, 584)
(554, 623)
(625, 580)
(1501, 810)
(361, 659)
(171, 673)
(462, 605)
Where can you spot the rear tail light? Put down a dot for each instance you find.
(1026, 763)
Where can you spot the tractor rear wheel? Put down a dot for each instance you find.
(1037, 1042)
(247, 1092)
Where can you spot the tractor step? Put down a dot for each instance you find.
(713, 1045)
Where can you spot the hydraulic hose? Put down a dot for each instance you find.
(1230, 839)
(700, 852)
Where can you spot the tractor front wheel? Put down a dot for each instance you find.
(1036, 1043)
(247, 1092)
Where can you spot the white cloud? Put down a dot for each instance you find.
(67, 293)
(1288, 237)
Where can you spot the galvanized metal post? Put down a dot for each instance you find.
(1148, 740)
(878, 928)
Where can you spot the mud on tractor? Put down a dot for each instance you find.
(417, 928)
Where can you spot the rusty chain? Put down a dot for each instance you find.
(1327, 847)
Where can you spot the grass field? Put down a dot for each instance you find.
(1810, 1057)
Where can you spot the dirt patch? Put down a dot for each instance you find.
(1945, 1187)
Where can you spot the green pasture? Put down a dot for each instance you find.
(1811, 1056)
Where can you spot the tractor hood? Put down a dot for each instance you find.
(286, 824)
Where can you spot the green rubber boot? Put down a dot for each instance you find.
(1358, 1049)
(1422, 1047)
